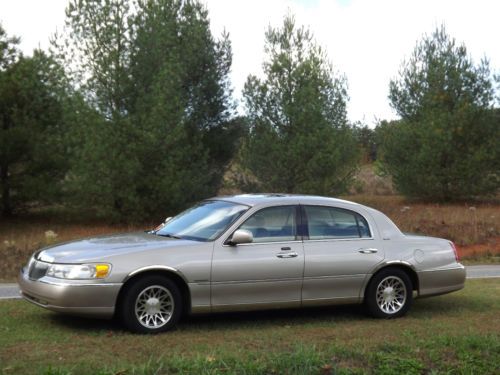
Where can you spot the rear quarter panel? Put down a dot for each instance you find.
(433, 259)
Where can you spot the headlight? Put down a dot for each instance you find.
(79, 271)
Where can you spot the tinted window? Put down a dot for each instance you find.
(329, 222)
(272, 224)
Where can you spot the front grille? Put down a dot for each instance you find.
(37, 270)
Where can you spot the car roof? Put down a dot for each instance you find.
(276, 198)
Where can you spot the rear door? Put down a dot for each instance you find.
(341, 248)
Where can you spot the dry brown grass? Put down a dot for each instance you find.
(20, 237)
(367, 182)
(475, 229)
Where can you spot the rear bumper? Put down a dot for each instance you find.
(441, 281)
(77, 297)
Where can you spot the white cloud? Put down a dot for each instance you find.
(34, 21)
(365, 39)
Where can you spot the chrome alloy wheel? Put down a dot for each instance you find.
(391, 294)
(154, 307)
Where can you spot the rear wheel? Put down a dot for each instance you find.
(389, 294)
(152, 304)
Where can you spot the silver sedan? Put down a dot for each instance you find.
(244, 252)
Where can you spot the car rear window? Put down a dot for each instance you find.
(332, 222)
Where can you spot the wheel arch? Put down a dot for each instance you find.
(165, 271)
(400, 265)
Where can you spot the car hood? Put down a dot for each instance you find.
(100, 248)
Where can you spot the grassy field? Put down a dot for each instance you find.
(475, 229)
(457, 333)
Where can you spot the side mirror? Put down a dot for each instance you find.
(241, 236)
(162, 224)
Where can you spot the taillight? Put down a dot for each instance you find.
(457, 258)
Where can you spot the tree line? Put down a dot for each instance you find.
(131, 113)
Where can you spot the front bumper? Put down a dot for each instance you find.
(77, 297)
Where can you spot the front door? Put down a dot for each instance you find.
(266, 272)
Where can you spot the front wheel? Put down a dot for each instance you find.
(389, 294)
(151, 304)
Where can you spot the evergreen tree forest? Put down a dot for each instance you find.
(131, 114)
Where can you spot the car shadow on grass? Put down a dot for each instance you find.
(278, 317)
(84, 324)
(226, 320)
(426, 308)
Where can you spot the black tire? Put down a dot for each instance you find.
(393, 306)
(156, 293)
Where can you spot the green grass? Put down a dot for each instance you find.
(457, 333)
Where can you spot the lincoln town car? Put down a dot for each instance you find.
(244, 252)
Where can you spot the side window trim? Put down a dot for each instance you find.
(357, 225)
(354, 213)
(303, 229)
(368, 226)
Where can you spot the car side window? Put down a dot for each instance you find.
(330, 222)
(273, 224)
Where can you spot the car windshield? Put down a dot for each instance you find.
(203, 222)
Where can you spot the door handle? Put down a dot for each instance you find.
(286, 248)
(368, 251)
(287, 255)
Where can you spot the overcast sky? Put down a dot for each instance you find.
(366, 39)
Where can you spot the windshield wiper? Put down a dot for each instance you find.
(169, 235)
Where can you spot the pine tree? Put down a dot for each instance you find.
(445, 147)
(299, 140)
